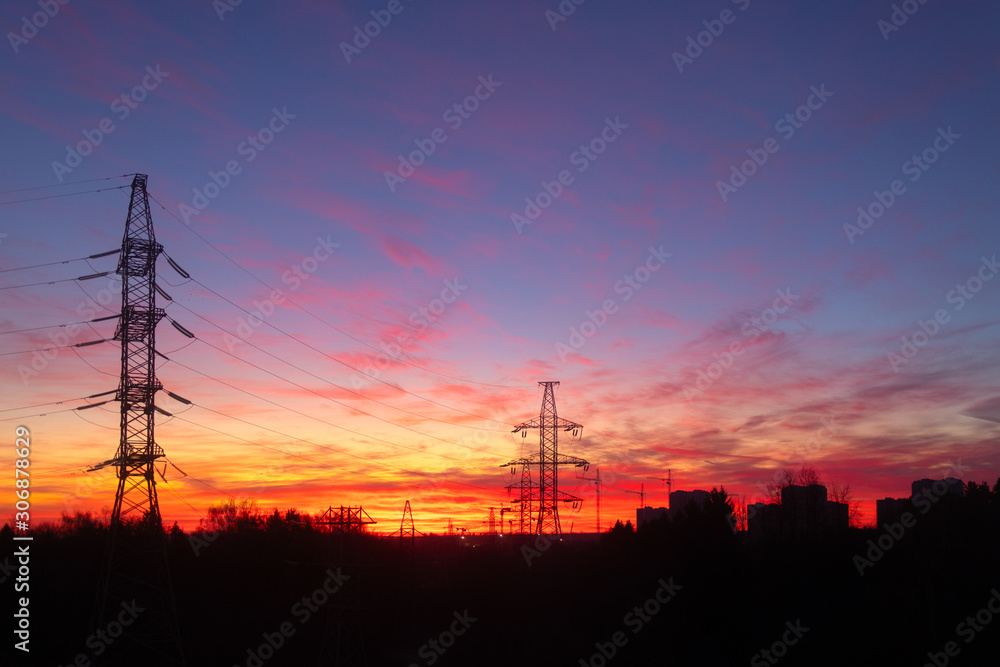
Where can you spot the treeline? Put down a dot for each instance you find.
(687, 590)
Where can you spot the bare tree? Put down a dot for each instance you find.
(807, 475)
(234, 515)
(777, 483)
(842, 494)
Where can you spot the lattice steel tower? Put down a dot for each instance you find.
(407, 532)
(137, 450)
(137, 567)
(549, 496)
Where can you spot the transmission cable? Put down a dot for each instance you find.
(317, 317)
(321, 379)
(314, 444)
(323, 421)
(63, 185)
(69, 194)
(65, 261)
(335, 359)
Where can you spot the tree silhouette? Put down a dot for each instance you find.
(842, 494)
(622, 529)
(233, 516)
(719, 505)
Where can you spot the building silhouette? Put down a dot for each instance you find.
(805, 513)
(890, 509)
(679, 501)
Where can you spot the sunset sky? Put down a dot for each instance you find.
(663, 219)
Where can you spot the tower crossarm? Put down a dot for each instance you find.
(559, 423)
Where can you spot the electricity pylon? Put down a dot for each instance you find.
(597, 481)
(549, 496)
(526, 495)
(407, 533)
(137, 572)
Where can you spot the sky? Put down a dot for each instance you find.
(744, 237)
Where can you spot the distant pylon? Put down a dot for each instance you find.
(137, 568)
(549, 496)
(597, 481)
(346, 520)
(525, 493)
(407, 533)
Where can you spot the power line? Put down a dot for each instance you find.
(40, 414)
(335, 359)
(62, 185)
(47, 282)
(200, 481)
(323, 421)
(42, 405)
(317, 317)
(66, 261)
(61, 347)
(315, 444)
(69, 194)
(56, 326)
(358, 394)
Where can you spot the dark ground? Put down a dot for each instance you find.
(728, 600)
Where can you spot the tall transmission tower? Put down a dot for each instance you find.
(137, 449)
(137, 567)
(549, 496)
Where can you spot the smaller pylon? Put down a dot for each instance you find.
(597, 481)
(346, 520)
(407, 533)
